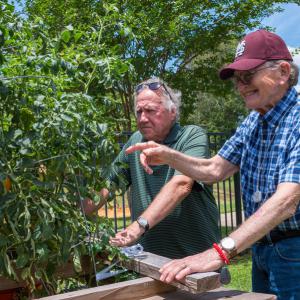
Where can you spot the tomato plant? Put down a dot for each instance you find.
(57, 142)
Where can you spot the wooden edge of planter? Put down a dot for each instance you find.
(149, 265)
(150, 289)
(217, 294)
(126, 290)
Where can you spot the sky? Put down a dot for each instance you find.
(286, 25)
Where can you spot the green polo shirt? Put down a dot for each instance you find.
(192, 226)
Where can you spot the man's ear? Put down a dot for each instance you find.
(174, 112)
(285, 70)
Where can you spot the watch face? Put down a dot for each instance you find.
(142, 222)
(228, 243)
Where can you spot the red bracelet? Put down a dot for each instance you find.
(222, 254)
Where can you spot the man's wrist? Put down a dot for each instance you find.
(223, 256)
(143, 224)
(170, 157)
(228, 246)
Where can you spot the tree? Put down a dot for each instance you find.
(218, 114)
(164, 38)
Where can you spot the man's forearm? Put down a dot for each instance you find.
(200, 169)
(276, 209)
(206, 170)
(196, 168)
(167, 199)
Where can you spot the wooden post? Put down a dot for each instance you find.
(150, 264)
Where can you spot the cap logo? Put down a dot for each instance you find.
(240, 48)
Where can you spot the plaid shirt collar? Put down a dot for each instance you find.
(274, 115)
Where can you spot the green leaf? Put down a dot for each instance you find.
(26, 142)
(66, 118)
(26, 273)
(77, 262)
(77, 36)
(4, 241)
(65, 36)
(47, 231)
(22, 260)
(70, 27)
(17, 133)
(8, 267)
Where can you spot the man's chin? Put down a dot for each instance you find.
(149, 137)
(147, 133)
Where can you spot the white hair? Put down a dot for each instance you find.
(293, 79)
(171, 97)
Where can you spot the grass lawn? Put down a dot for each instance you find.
(240, 271)
(225, 196)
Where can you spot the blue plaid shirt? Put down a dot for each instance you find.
(267, 149)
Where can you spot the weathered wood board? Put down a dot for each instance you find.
(217, 294)
(128, 290)
(150, 264)
(149, 289)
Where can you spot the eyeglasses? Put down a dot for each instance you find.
(153, 86)
(247, 76)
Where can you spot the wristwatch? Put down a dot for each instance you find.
(228, 245)
(143, 223)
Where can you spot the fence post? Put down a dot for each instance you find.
(238, 198)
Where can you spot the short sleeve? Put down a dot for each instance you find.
(120, 169)
(233, 148)
(195, 144)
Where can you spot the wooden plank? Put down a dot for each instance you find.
(149, 289)
(217, 294)
(7, 284)
(128, 290)
(150, 264)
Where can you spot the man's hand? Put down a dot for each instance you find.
(89, 206)
(178, 269)
(127, 236)
(152, 154)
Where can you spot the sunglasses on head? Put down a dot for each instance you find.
(153, 86)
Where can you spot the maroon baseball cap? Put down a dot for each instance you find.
(255, 49)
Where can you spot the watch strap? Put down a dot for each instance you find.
(143, 223)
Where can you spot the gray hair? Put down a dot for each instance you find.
(293, 79)
(171, 97)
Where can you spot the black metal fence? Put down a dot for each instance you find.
(227, 194)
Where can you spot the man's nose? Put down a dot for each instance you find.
(143, 117)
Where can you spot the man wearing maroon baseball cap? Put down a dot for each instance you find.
(265, 149)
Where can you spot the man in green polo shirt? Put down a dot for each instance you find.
(174, 215)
